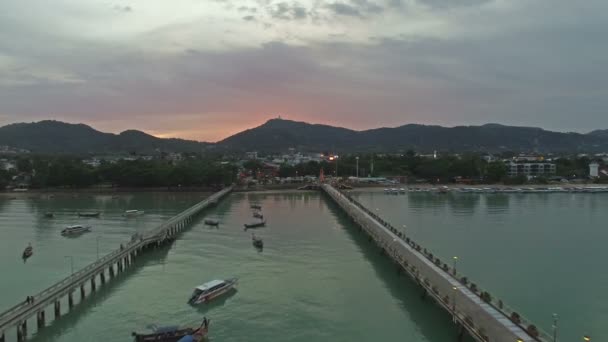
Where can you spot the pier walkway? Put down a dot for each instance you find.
(484, 318)
(112, 263)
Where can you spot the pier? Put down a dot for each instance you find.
(98, 273)
(474, 311)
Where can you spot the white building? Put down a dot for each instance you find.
(530, 169)
(594, 170)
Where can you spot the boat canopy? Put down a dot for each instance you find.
(209, 285)
(74, 226)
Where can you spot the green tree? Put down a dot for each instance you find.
(495, 171)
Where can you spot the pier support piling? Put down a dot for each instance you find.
(93, 286)
(57, 309)
(82, 293)
(2, 339)
(40, 319)
(111, 268)
(102, 276)
(24, 329)
(19, 334)
(70, 300)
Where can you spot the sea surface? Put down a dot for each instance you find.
(318, 278)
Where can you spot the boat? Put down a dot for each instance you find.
(174, 334)
(206, 292)
(92, 214)
(259, 215)
(257, 242)
(212, 222)
(131, 213)
(49, 215)
(256, 206)
(401, 190)
(27, 252)
(75, 230)
(255, 224)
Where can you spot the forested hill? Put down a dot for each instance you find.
(60, 137)
(276, 134)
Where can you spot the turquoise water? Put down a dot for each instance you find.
(316, 279)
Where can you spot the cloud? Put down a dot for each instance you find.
(355, 8)
(122, 8)
(247, 9)
(286, 11)
(501, 61)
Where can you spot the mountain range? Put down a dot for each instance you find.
(276, 135)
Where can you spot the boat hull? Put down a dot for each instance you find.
(208, 297)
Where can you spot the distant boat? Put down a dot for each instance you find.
(91, 214)
(49, 215)
(75, 230)
(257, 242)
(132, 213)
(206, 292)
(259, 215)
(212, 222)
(256, 206)
(27, 252)
(255, 224)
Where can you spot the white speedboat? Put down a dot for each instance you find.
(204, 293)
(131, 213)
(75, 230)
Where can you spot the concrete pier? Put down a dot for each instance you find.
(469, 308)
(123, 257)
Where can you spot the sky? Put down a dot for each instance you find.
(206, 69)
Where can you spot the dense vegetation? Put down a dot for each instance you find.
(68, 171)
(443, 169)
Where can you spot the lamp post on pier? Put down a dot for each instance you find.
(554, 327)
(455, 261)
(71, 262)
(97, 245)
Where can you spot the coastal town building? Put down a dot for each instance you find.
(530, 169)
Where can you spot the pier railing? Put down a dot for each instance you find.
(514, 316)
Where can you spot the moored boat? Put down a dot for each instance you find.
(212, 222)
(256, 241)
(206, 292)
(256, 206)
(174, 334)
(91, 214)
(75, 230)
(131, 213)
(259, 215)
(49, 215)
(255, 224)
(27, 252)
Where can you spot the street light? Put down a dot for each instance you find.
(454, 301)
(554, 327)
(357, 159)
(71, 262)
(97, 245)
(455, 260)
